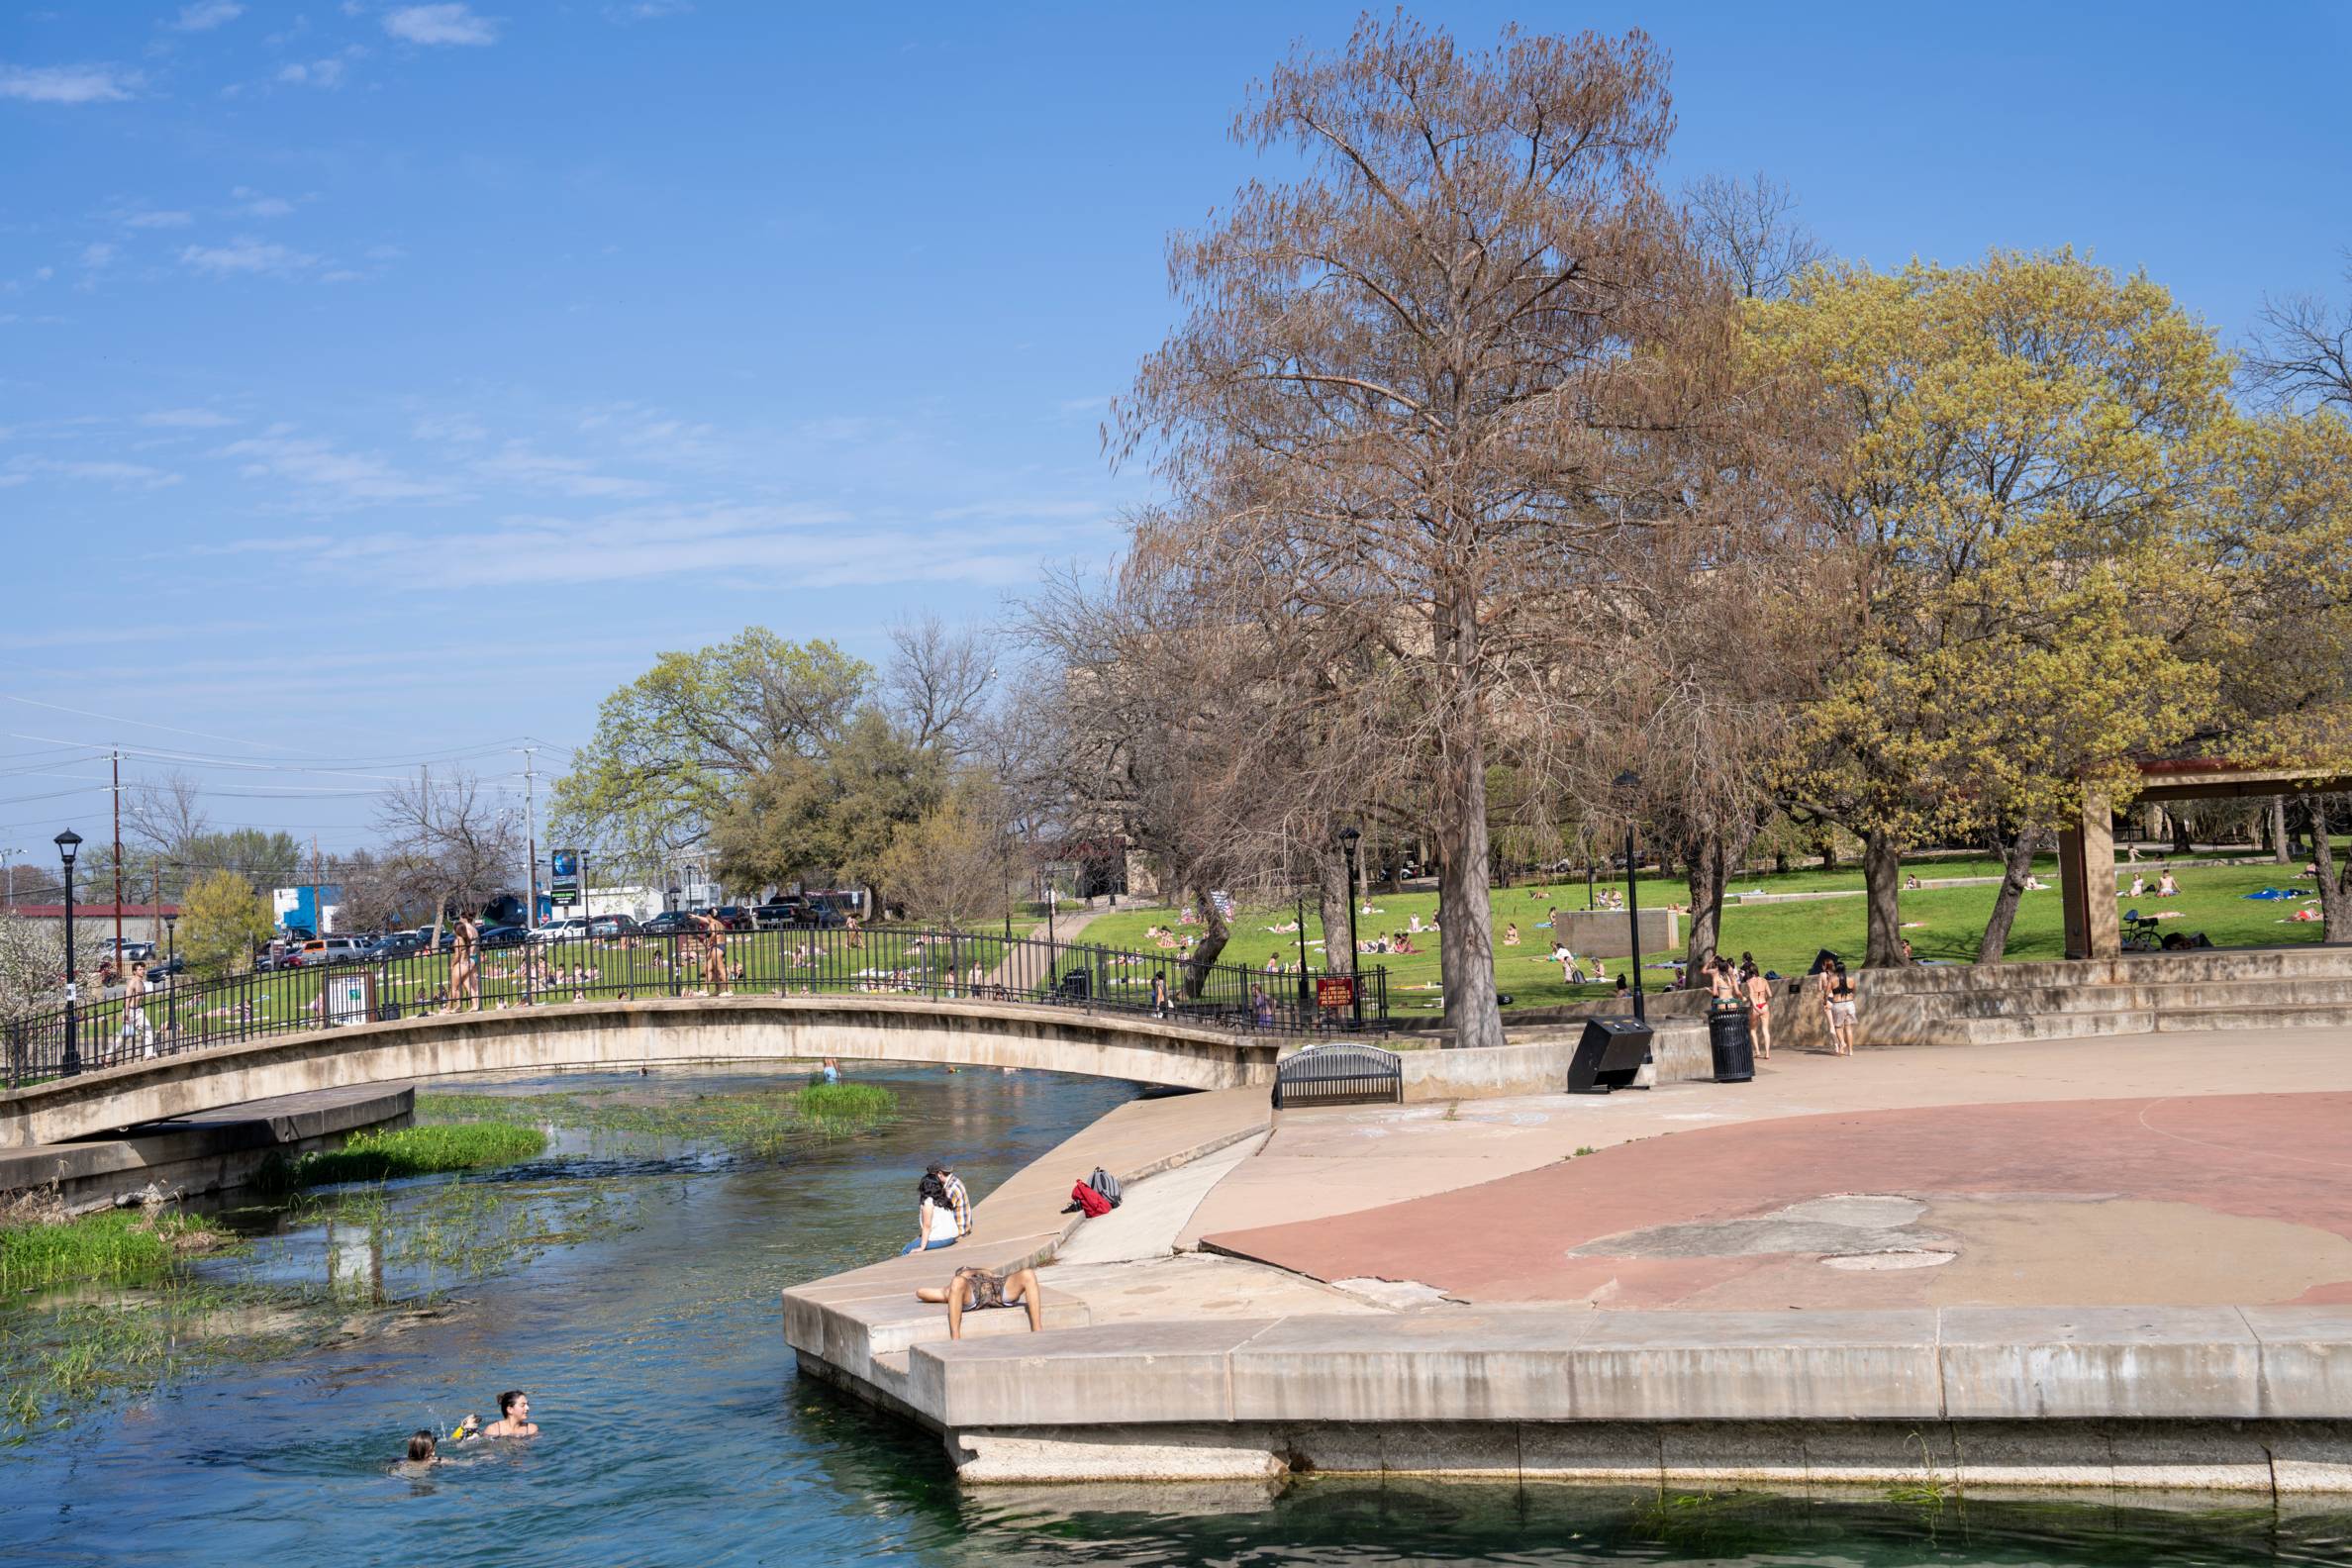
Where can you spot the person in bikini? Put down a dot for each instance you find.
(1760, 1000)
(1838, 1005)
(714, 955)
(465, 966)
(981, 1290)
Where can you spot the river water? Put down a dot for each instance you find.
(635, 1299)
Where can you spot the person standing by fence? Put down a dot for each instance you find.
(134, 1019)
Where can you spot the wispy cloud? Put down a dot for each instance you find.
(246, 255)
(440, 24)
(205, 15)
(329, 477)
(517, 463)
(313, 73)
(95, 256)
(648, 10)
(122, 475)
(187, 419)
(149, 217)
(253, 204)
(68, 84)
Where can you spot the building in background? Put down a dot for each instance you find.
(310, 907)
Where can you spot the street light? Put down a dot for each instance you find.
(67, 843)
(1355, 977)
(1627, 782)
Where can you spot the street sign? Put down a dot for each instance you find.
(1333, 991)
(563, 888)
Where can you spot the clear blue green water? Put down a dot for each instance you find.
(635, 1299)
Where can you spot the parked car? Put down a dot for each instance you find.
(735, 918)
(821, 916)
(778, 914)
(669, 923)
(325, 950)
(166, 968)
(571, 929)
(613, 925)
(400, 945)
(504, 936)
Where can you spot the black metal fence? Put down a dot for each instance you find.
(1339, 1074)
(964, 966)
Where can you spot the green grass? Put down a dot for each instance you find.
(1943, 923)
(753, 1123)
(120, 1246)
(408, 1151)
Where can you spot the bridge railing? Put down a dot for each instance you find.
(889, 960)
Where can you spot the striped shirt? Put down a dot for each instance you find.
(962, 1202)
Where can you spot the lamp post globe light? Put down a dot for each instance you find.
(1626, 782)
(1355, 976)
(68, 842)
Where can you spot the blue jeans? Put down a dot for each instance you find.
(928, 1247)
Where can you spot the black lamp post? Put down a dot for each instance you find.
(1355, 974)
(1629, 781)
(172, 978)
(1304, 983)
(67, 843)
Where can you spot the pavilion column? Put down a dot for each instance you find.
(2087, 882)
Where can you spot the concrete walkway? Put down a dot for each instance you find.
(1893, 1268)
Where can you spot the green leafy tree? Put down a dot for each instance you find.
(221, 920)
(675, 748)
(2011, 552)
(839, 813)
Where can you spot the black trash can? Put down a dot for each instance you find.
(1727, 1033)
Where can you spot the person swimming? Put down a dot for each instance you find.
(514, 1417)
(421, 1448)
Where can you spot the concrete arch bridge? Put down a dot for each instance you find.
(614, 1032)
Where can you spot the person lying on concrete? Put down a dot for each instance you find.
(979, 1290)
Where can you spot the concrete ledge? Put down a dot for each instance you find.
(2124, 1462)
(203, 1153)
(1539, 1065)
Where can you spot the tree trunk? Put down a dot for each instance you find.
(2180, 834)
(1882, 882)
(2278, 829)
(1706, 866)
(1330, 907)
(2016, 863)
(1212, 940)
(2336, 897)
(1466, 940)
(1827, 844)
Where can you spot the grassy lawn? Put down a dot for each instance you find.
(1941, 923)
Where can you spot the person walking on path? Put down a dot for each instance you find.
(134, 1019)
(1837, 1006)
(465, 964)
(1760, 1000)
(1160, 995)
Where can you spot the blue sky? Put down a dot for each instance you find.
(384, 381)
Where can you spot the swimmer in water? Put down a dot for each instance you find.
(421, 1449)
(514, 1417)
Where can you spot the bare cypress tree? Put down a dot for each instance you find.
(1384, 414)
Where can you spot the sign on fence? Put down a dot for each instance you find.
(1334, 992)
(348, 998)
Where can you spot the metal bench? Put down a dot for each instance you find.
(1323, 1075)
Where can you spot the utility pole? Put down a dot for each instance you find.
(530, 837)
(118, 856)
(318, 892)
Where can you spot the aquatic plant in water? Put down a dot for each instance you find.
(406, 1152)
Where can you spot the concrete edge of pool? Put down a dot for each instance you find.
(2241, 1401)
